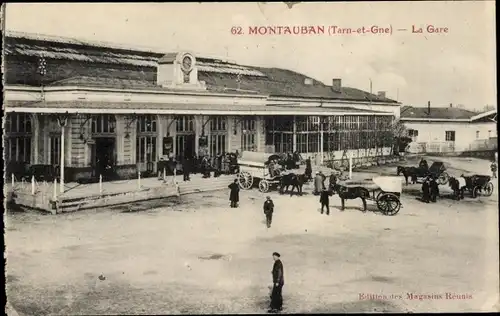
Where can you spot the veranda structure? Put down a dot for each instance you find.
(78, 105)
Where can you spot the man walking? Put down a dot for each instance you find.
(234, 195)
(278, 282)
(268, 210)
(325, 201)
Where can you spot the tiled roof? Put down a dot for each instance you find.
(219, 75)
(446, 113)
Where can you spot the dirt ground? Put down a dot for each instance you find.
(197, 255)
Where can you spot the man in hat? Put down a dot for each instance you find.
(433, 189)
(268, 210)
(426, 191)
(319, 183)
(333, 181)
(325, 201)
(278, 282)
(234, 195)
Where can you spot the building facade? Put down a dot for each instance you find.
(80, 104)
(449, 129)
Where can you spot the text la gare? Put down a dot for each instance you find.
(429, 29)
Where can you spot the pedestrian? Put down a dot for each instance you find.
(332, 182)
(268, 210)
(493, 168)
(308, 171)
(425, 191)
(434, 189)
(186, 168)
(319, 183)
(278, 282)
(234, 195)
(325, 201)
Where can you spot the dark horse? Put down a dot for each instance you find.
(351, 193)
(412, 172)
(294, 180)
(458, 190)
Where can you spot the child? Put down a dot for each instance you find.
(493, 169)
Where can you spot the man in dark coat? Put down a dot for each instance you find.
(425, 191)
(333, 181)
(325, 201)
(308, 171)
(186, 168)
(268, 210)
(434, 189)
(278, 282)
(234, 195)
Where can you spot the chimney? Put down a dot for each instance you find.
(336, 85)
(381, 94)
(308, 81)
(428, 107)
(451, 105)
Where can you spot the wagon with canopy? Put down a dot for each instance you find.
(259, 167)
(384, 190)
(478, 185)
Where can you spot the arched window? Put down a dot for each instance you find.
(104, 124)
(18, 136)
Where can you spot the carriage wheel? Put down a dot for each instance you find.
(263, 186)
(245, 180)
(388, 204)
(443, 178)
(488, 189)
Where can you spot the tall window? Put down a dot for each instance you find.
(308, 135)
(218, 135)
(104, 124)
(450, 136)
(55, 150)
(413, 134)
(18, 137)
(249, 134)
(146, 150)
(185, 123)
(279, 133)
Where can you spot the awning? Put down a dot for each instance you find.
(89, 107)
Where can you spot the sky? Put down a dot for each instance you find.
(457, 67)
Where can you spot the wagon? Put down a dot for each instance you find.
(438, 171)
(384, 190)
(479, 185)
(254, 168)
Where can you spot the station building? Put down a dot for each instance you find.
(77, 104)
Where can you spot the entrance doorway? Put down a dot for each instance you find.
(103, 155)
(185, 146)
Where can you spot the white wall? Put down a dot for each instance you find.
(465, 133)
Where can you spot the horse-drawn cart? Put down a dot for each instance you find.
(479, 185)
(385, 191)
(257, 167)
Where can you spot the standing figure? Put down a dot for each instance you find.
(425, 191)
(493, 168)
(332, 182)
(278, 282)
(434, 189)
(186, 168)
(234, 195)
(325, 201)
(218, 166)
(319, 183)
(205, 166)
(308, 171)
(268, 210)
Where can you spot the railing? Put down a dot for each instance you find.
(484, 144)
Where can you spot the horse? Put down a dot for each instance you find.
(346, 193)
(458, 188)
(411, 172)
(294, 180)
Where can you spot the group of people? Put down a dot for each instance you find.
(430, 190)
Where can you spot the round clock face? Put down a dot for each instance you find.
(187, 63)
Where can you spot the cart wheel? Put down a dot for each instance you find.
(388, 204)
(443, 178)
(476, 191)
(488, 189)
(263, 186)
(245, 180)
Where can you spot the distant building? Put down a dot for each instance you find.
(449, 129)
(129, 107)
